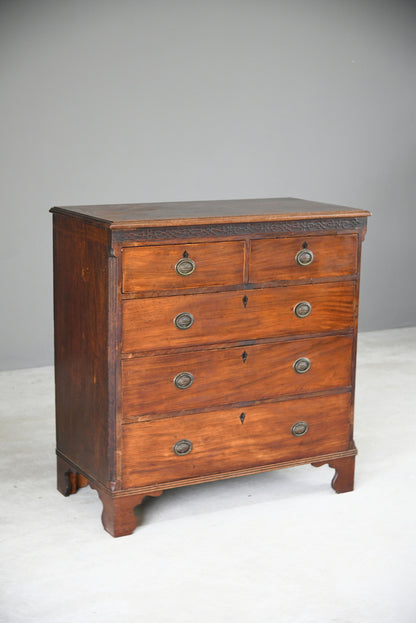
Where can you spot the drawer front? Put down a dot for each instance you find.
(233, 439)
(197, 380)
(311, 257)
(172, 267)
(241, 315)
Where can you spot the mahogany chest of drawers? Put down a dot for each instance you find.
(199, 341)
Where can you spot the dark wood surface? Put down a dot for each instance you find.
(118, 512)
(200, 212)
(343, 480)
(81, 344)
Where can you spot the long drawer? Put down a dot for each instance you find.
(196, 380)
(189, 446)
(241, 315)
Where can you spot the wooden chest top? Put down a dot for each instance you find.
(121, 216)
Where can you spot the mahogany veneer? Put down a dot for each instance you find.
(199, 341)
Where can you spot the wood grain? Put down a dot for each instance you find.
(121, 216)
(222, 443)
(234, 375)
(81, 288)
(275, 259)
(153, 268)
(148, 324)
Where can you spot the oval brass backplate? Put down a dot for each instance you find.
(302, 309)
(183, 380)
(302, 365)
(299, 429)
(182, 447)
(185, 266)
(183, 321)
(304, 257)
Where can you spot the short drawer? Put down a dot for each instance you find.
(189, 446)
(242, 315)
(172, 267)
(197, 380)
(312, 257)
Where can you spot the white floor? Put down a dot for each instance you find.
(280, 547)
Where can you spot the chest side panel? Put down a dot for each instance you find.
(82, 387)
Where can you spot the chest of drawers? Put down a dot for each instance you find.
(200, 341)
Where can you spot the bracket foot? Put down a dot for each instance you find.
(343, 480)
(68, 480)
(118, 511)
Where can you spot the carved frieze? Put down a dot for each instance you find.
(238, 229)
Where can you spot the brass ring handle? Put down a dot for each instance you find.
(302, 309)
(185, 266)
(299, 429)
(304, 257)
(183, 321)
(182, 447)
(183, 380)
(302, 365)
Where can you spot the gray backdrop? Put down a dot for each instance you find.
(156, 100)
